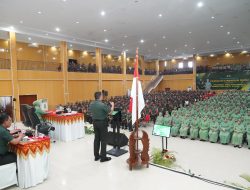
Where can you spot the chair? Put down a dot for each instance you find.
(42, 127)
(8, 175)
(24, 111)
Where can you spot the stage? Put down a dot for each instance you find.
(72, 166)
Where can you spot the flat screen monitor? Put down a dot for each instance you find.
(161, 130)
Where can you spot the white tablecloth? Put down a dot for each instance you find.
(69, 131)
(32, 170)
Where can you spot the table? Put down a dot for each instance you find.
(68, 127)
(32, 161)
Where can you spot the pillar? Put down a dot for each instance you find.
(124, 71)
(157, 67)
(194, 73)
(64, 62)
(14, 79)
(142, 65)
(98, 58)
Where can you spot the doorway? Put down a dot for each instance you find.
(26, 99)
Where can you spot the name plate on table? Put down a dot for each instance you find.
(161, 130)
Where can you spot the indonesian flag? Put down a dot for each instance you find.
(141, 103)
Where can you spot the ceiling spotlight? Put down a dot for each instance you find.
(103, 13)
(21, 22)
(208, 42)
(46, 34)
(185, 45)
(159, 15)
(212, 17)
(125, 36)
(200, 4)
(164, 37)
(104, 30)
(166, 48)
(221, 26)
(64, 0)
(77, 22)
(70, 45)
(238, 42)
(123, 44)
(39, 12)
(142, 41)
(211, 55)
(106, 40)
(190, 32)
(228, 33)
(244, 52)
(175, 50)
(57, 29)
(29, 38)
(227, 54)
(234, 38)
(193, 48)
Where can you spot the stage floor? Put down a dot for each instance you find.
(72, 167)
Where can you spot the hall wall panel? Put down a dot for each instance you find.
(114, 88)
(80, 90)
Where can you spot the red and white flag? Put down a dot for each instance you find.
(141, 103)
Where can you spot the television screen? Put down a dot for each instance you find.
(161, 130)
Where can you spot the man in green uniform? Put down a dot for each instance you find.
(175, 125)
(159, 119)
(214, 131)
(225, 132)
(194, 128)
(185, 125)
(203, 133)
(7, 157)
(100, 112)
(239, 130)
(39, 112)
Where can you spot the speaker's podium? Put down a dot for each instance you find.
(115, 138)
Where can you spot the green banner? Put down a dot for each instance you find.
(225, 80)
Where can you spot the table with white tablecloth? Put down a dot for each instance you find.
(32, 161)
(68, 127)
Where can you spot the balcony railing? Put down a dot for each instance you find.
(38, 65)
(4, 64)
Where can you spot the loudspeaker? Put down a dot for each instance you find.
(119, 140)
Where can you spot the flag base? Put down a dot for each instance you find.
(116, 152)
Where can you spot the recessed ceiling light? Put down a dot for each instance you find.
(227, 54)
(221, 26)
(103, 13)
(211, 55)
(166, 48)
(64, 0)
(234, 38)
(200, 4)
(190, 32)
(185, 45)
(175, 50)
(208, 42)
(123, 44)
(57, 29)
(104, 30)
(164, 37)
(106, 40)
(212, 17)
(21, 22)
(228, 33)
(11, 28)
(125, 36)
(193, 48)
(159, 15)
(244, 52)
(46, 34)
(238, 42)
(70, 45)
(39, 12)
(142, 41)
(29, 38)
(77, 22)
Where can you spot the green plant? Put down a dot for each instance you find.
(166, 159)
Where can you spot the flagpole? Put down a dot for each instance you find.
(137, 121)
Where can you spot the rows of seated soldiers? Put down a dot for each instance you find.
(75, 67)
(112, 69)
(156, 102)
(176, 71)
(150, 72)
(223, 118)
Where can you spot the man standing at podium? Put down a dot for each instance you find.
(100, 112)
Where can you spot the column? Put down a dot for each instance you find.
(142, 65)
(157, 67)
(14, 79)
(98, 58)
(194, 73)
(64, 62)
(124, 71)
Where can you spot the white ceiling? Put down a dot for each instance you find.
(184, 28)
